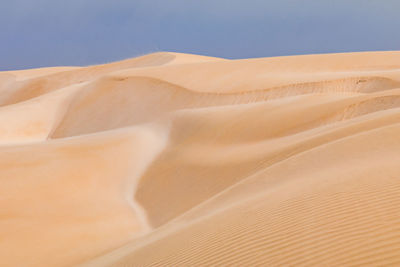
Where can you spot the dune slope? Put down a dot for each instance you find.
(182, 160)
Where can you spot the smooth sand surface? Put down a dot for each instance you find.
(182, 160)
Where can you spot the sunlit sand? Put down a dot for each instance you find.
(182, 160)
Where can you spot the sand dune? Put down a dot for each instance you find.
(182, 160)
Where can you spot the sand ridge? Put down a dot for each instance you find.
(172, 159)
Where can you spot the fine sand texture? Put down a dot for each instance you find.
(173, 159)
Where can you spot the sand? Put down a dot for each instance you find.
(182, 160)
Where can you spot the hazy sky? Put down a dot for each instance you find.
(35, 33)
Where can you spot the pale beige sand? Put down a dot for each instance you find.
(181, 160)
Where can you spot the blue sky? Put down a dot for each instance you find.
(36, 33)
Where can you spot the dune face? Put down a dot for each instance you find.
(182, 160)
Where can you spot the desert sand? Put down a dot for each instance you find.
(173, 159)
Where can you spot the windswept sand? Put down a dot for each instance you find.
(181, 160)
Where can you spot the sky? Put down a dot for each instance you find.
(39, 33)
